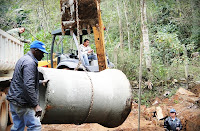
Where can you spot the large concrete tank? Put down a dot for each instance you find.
(76, 97)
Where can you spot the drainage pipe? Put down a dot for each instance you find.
(76, 97)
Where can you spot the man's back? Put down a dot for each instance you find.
(24, 83)
(14, 32)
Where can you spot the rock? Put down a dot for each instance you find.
(191, 85)
(161, 112)
(193, 99)
(166, 94)
(197, 83)
(195, 54)
(149, 113)
(134, 83)
(183, 91)
(174, 81)
(157, 101)
(182, 80)
(135, 87)
(187, 95)
(190, 77)
(149, 84)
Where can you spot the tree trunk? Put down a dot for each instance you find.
(186, 65)
(179, 8)
(120, 26)
(45, 14)
(155, 2)
(147, 53)
(127, 23)
(195, 20)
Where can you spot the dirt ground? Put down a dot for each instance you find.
(131, 124)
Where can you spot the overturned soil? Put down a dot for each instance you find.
(131, 124)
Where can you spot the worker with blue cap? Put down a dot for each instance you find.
(23, 94)
(172, 123)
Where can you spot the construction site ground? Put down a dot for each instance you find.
(186, 103)
(131, 124)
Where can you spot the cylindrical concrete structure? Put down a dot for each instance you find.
(76, 97)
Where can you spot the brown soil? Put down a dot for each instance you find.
(131, 124)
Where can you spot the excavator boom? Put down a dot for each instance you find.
(89, 15)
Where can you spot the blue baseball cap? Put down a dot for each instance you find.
(172, 111)
(38, 45)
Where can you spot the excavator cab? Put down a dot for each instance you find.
(71, 59)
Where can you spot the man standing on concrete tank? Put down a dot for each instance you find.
(172, 123)
(16, 32)
(87, 52)
(23, 94)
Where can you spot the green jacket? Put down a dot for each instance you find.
(15, 33)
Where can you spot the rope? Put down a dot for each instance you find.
(78, 35)
(92, 97)
(92, 88)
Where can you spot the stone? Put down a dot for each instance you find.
(166, 94)
(161, 112)
(149, 113)
(157, 101)
(183, 91)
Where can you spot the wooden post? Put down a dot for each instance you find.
(99, 42)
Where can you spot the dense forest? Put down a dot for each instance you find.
(169, 31)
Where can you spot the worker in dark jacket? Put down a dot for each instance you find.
(23, 93)
(172, 123)
(16, 32)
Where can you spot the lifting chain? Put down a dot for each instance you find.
(78, 35)
(92, 88)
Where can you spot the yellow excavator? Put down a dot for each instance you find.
(79, 18)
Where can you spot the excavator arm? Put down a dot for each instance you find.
(89, 15)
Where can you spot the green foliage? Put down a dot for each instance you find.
(160, 72)
(176, 101)
(166, 46)
(129, 64)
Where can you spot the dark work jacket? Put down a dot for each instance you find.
(171, 125)
(24, 86)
